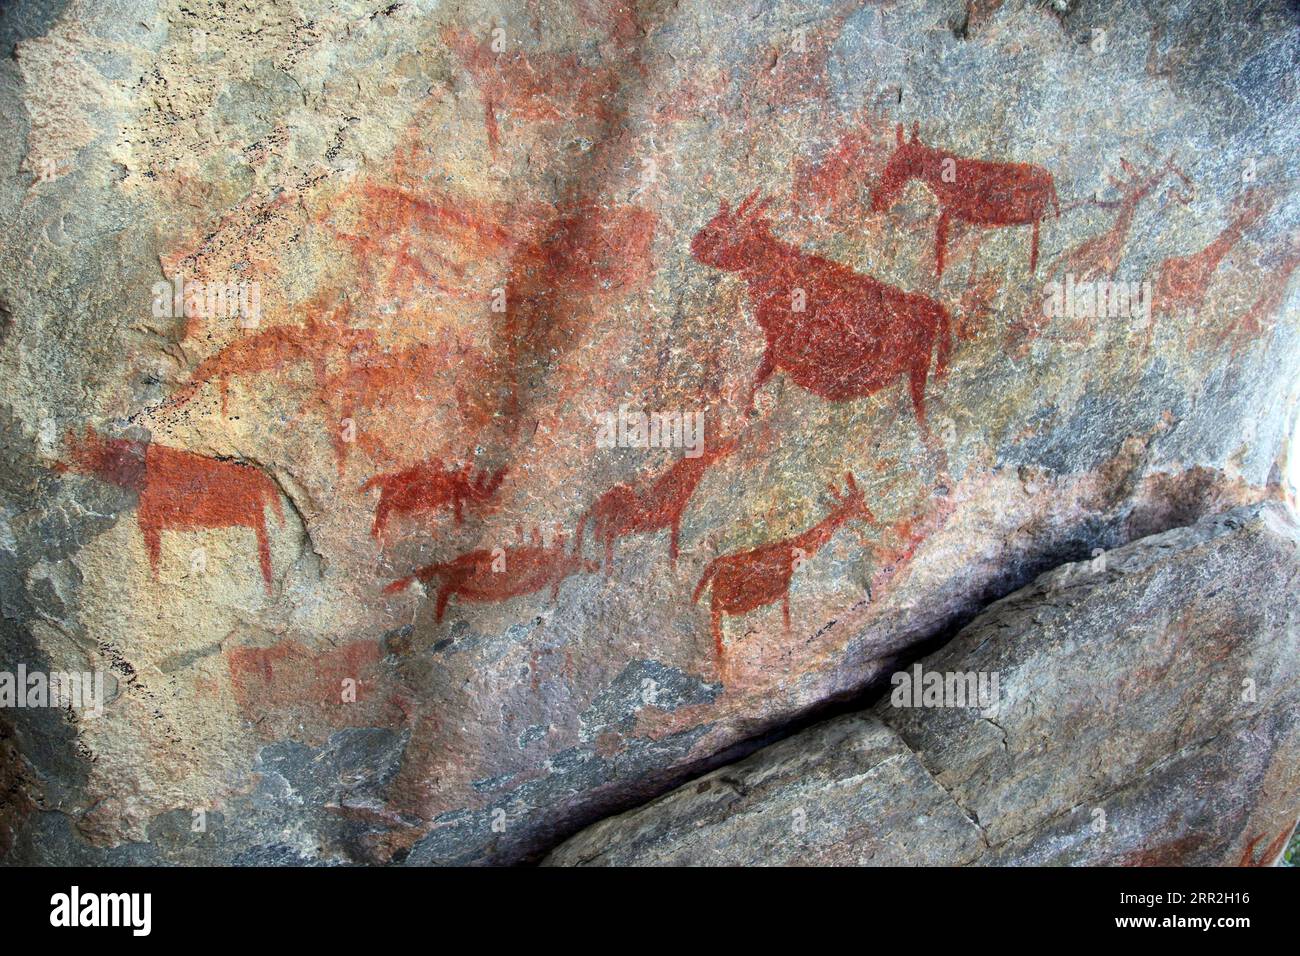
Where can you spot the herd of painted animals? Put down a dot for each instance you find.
(835, 332)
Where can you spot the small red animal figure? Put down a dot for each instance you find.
(746, 580)
(969, 190)
(1102, 254)
(179, 490)
(272, 350)
(624, 510)
(428, 486)
(538, 87)
(1184, 280)
(1256, 320)
(836, 332)
(487, 575)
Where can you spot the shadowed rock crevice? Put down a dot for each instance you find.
(1084, 755)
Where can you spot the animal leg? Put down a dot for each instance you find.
(152, 545)
(785, 608)
(609, 554)
(276, 506)
(920, 372)
(673, 535)
(704, 582)
(765, 369)
(940, 242)
(715, 625)
(381, 518)
(1033, 249)
(457, 508)
(440, 608)
(263, 551)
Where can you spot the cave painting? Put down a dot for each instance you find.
(429, 486)
(1256, 319)
(746, 580)
(624, 510)
(579, 254)
(536, 87)
(1270, 853)
(496, 574)
(835, 332)
(275, 349)
(973, 191)
(179, 490)
(1184, 280)
(1098, 256)
(1101, 255)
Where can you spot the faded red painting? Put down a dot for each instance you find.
(180, 491)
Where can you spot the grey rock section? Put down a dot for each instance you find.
(845, 792)
(1147, 714)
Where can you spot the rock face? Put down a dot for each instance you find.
(326, 330)
(1146, 712)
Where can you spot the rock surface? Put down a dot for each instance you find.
(474, 230)
(1147, 713)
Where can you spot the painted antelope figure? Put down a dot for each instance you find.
(746, 580)
(273, 350)
(428, 486)
(624, 510)
(835, 332)
(486, 575)
(179, 490)
(975, 191)
(1102, 254)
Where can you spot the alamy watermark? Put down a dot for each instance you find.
(928, 688)
(75, 908)
(82, 692)
(208, 300)
(640, 429)
(1096, 300)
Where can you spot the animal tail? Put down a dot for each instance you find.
(704, 581)
(370, 483)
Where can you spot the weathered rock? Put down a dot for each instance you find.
(475, 227)
(1147, 712)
